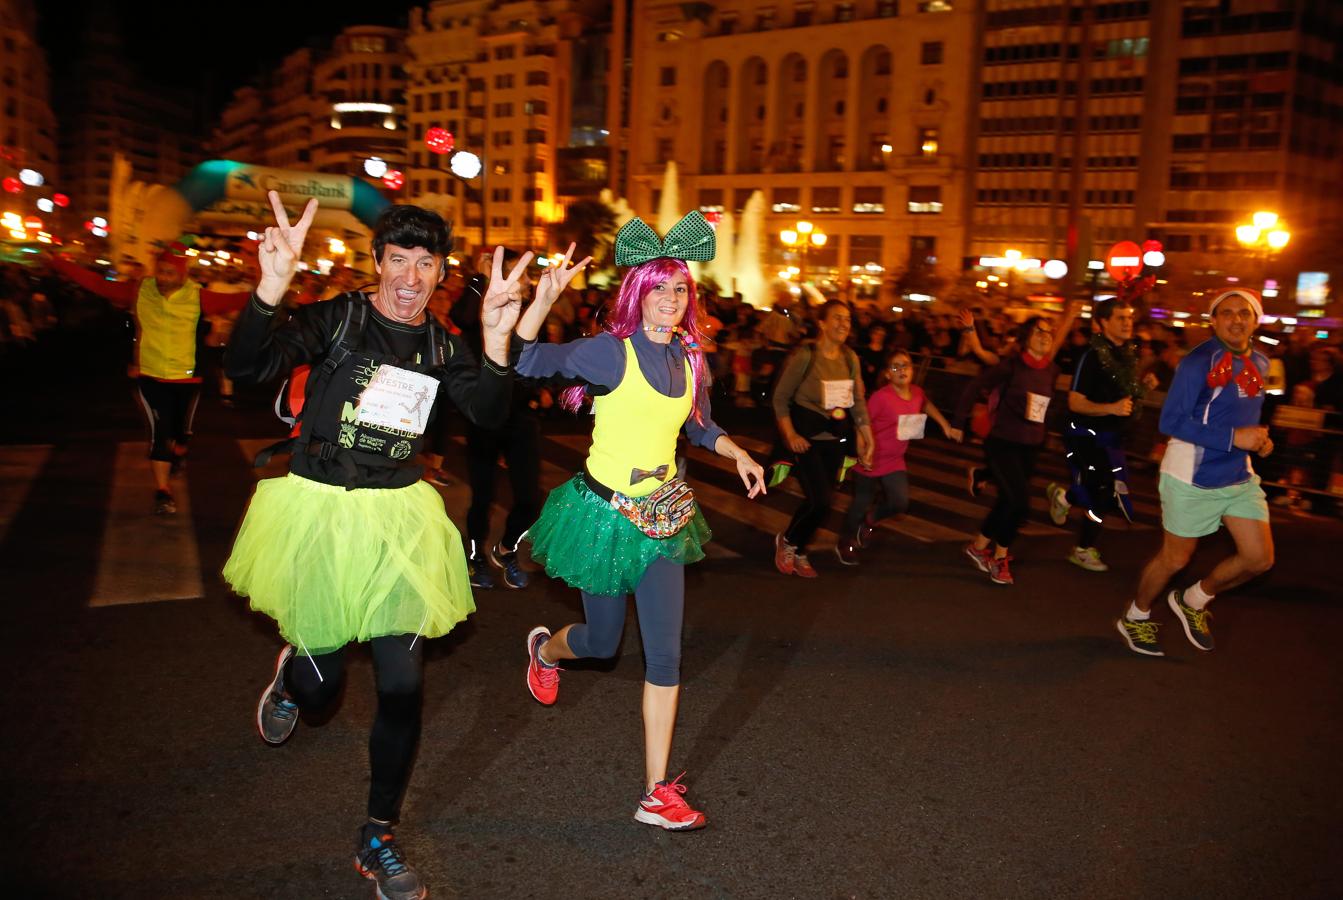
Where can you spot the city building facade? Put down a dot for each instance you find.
(1062, 134)
(500, 77)
(851, 116)
(27, 125)
(107, 110)
(323, 111)
(1254, 95)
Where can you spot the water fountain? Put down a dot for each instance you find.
(721, 270)
(669, 204)
(748, 260)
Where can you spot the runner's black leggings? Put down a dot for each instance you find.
(398, 665)
(170, 408)
(895, 488)
(816, 470)
(1011, 465)
(1094, 473)
(519, 440)
(659, 600)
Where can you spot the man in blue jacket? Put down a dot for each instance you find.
(1212, 417)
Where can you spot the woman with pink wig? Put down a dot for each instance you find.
(627, 523)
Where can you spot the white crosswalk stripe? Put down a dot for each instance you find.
(145, 558)
(19, 467)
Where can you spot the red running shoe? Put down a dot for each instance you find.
(666, 808)
(980, 558)
(999, 572)
(542, 680)
(802, 566)
(784, 554)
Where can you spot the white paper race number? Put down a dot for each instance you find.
(1036, 404)
(909, 427)
(837, 394)
(397, 399)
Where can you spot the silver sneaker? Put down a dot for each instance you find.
(276, 714)
(381, 861)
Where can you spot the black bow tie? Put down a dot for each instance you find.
(638, 475)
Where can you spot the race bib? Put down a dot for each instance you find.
(1036, 404)
(837, 394)
(397, 399)
(910, 426)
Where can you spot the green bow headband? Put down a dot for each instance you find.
(692, 238)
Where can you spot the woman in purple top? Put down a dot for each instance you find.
(1025, 384)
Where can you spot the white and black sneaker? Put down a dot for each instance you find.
(276, 714)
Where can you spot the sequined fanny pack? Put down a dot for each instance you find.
(662, 513)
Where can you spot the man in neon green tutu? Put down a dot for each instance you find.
(351, 546)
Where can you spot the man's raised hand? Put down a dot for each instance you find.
(280, 248)
(503, 296)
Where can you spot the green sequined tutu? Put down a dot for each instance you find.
(586, 543)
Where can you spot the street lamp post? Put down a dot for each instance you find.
(1263, 236)
(801, 238)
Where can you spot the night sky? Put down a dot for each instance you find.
(219, 47)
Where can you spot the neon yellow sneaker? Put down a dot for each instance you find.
(1195, 621)
(1140, 636)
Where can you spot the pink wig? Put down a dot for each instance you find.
(627, 317)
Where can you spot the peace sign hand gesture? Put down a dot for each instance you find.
(502, 304)
(556, 278)
(279, 250)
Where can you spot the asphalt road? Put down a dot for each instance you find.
(900, 729)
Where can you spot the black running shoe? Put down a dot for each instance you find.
(380, 860)
(164, 504)
(478, 567)
(507, 560)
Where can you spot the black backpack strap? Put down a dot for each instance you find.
(348, 335)
(440, 348)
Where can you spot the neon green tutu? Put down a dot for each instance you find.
(586, 543)
(332, 566)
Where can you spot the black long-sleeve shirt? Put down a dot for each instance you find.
(262, 349)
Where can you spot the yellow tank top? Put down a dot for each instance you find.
(165, 342)
(636, 428)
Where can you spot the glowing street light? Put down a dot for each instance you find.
(1265, 220)
(801, 238)
(465, 164)
(32, 178)
(375, 167)
(1263, 229)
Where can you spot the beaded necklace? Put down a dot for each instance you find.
(677, 330)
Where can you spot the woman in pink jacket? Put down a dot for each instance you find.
(898, 410)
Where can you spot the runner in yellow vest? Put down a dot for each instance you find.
(627, 523)
(167, 310)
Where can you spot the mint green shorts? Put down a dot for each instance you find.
(1190, 511)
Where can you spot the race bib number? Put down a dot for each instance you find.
(1036, 404)
(397, 399)
(910, 426)
(837, 394)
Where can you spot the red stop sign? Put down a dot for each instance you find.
(1124, 261)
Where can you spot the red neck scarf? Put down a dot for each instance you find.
(1223, 371)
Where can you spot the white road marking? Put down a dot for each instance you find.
(145, 558)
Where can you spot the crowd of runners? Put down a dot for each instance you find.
(353, 545)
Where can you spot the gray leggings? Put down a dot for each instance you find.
(895, 485)
(659, 600)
